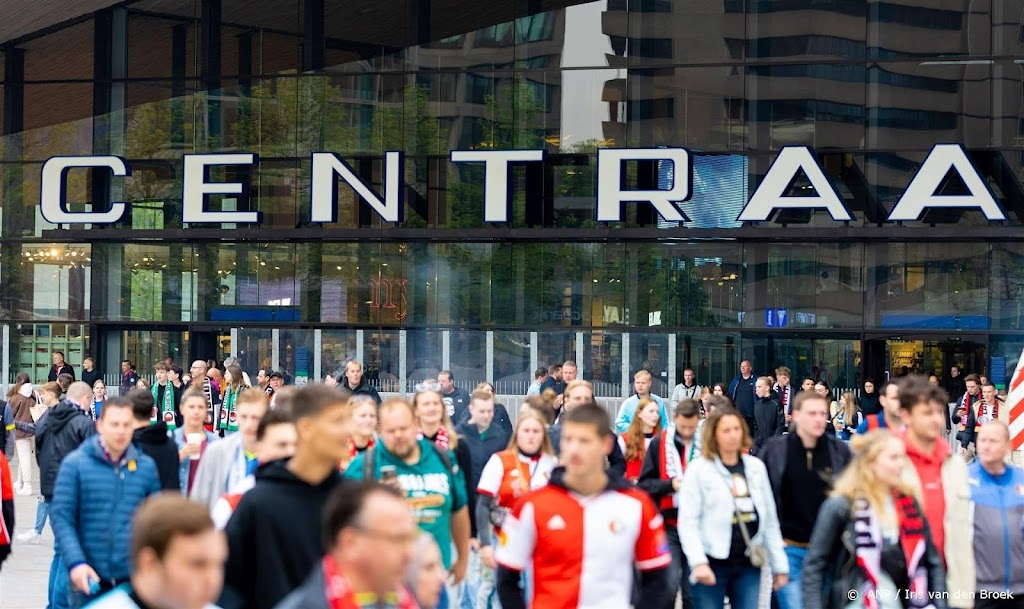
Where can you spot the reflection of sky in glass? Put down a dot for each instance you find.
(719, 190)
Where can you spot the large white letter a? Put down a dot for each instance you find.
(771, 192)
(920, 193)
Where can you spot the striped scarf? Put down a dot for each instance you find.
(965, 403)
(210, 422)
(164, 410)
(441, 440)
(869, 551)
(229, 418)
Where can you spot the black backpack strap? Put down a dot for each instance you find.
(445, 457)
(369, 463)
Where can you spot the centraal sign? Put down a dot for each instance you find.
(328, 171)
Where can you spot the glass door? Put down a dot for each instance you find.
(144, 348)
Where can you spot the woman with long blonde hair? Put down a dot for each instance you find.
(849, 417)
(871, 538)
(645, 426)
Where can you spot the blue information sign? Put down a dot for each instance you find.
(997, 372)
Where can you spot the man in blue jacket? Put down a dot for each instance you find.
(997, 502)
(99, 487)
(741, 390)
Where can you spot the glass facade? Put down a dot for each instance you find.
(871, 86)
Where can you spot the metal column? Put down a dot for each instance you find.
(446, 349)
(5, 356)
(359, 347)
(318, 349)
(275, 349)
(534, 364)
(234, 342)
(489, 357)
(671, 380)
(579, 354)
(626, 385)
(402, 367)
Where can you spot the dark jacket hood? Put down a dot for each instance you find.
(277, 472)
(62, 414)
(155, 434)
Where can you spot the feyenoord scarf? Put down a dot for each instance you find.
(983, 415)
(210, 414)
(965, 403)
(164, 410)
(340, 595)
(229, 419)
(869, 550)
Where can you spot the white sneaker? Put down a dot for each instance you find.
(30, 537)
(25, 491)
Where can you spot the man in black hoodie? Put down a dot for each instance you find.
(274, 536)
(356, 382)
(153, 439)
(769, 420)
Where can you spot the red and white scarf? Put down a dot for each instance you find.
(868, 536)
(965, 403)
(441, 440)
(672, 464)
(6, 495)
(983, 417)
(340, 594)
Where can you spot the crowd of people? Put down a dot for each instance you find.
(203, 490)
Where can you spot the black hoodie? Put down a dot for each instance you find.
(274, 537)
(154, 441)
(363, 388)
(61, 430)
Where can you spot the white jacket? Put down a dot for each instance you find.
(706, 508)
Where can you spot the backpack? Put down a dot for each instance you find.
(370, 461)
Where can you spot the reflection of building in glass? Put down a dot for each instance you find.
(848, 78)
(870, 85)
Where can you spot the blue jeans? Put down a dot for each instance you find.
(741, 583)
(471, 584)
(42, 513)
(678, 571)
(790, 595)
(59, 595)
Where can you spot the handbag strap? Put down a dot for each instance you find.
(743, 526)
(736, 512)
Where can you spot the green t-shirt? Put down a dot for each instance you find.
(433, 493)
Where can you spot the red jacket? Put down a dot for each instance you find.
(929, 470)
(7, 500)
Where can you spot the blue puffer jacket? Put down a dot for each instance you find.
(93, 505)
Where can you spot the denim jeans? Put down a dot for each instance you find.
(450, 597)
(741, 583)
(790, 595)
(42, 513)
(678, 571)
(59, 592)
(487, 594)
(471, 584)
